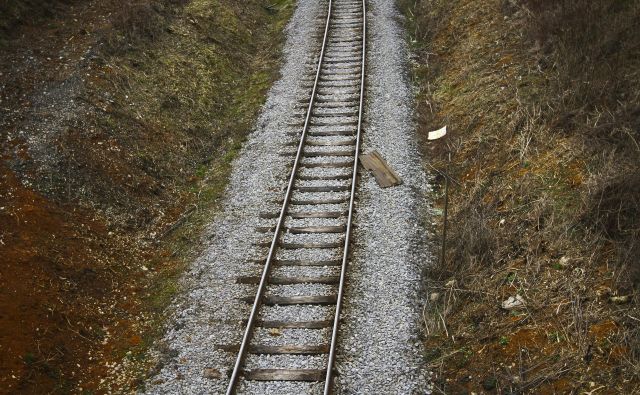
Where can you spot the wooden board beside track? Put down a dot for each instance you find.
(384, 174)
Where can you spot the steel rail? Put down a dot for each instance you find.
(328, 385)
(246, 337)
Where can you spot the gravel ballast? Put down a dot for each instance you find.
(379, 349)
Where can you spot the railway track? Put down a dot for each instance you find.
(303, 276)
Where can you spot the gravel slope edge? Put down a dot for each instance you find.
(381, 350)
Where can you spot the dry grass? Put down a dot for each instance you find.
(542, 101)
(166, 92)
(186, 92)
(176, 85)
(16, 13)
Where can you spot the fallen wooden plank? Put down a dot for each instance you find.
(385, 176)
(284, 374)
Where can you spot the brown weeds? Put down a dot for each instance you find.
(541, 98)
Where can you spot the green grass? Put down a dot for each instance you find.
(197, 90)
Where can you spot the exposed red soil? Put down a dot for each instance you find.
(62, 303)
(52, 287)
(94, 180)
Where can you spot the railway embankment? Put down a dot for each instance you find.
(118, 121)
(538, 290)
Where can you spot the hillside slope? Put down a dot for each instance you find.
(542, 101)
(118, 122)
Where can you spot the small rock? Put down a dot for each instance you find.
(210, 373)
(513, 302)
(434, 297)
(620, 299)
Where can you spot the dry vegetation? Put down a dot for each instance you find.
(542, 100)
(118, 122)
(17, 13)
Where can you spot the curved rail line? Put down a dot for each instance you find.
(341, 37)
